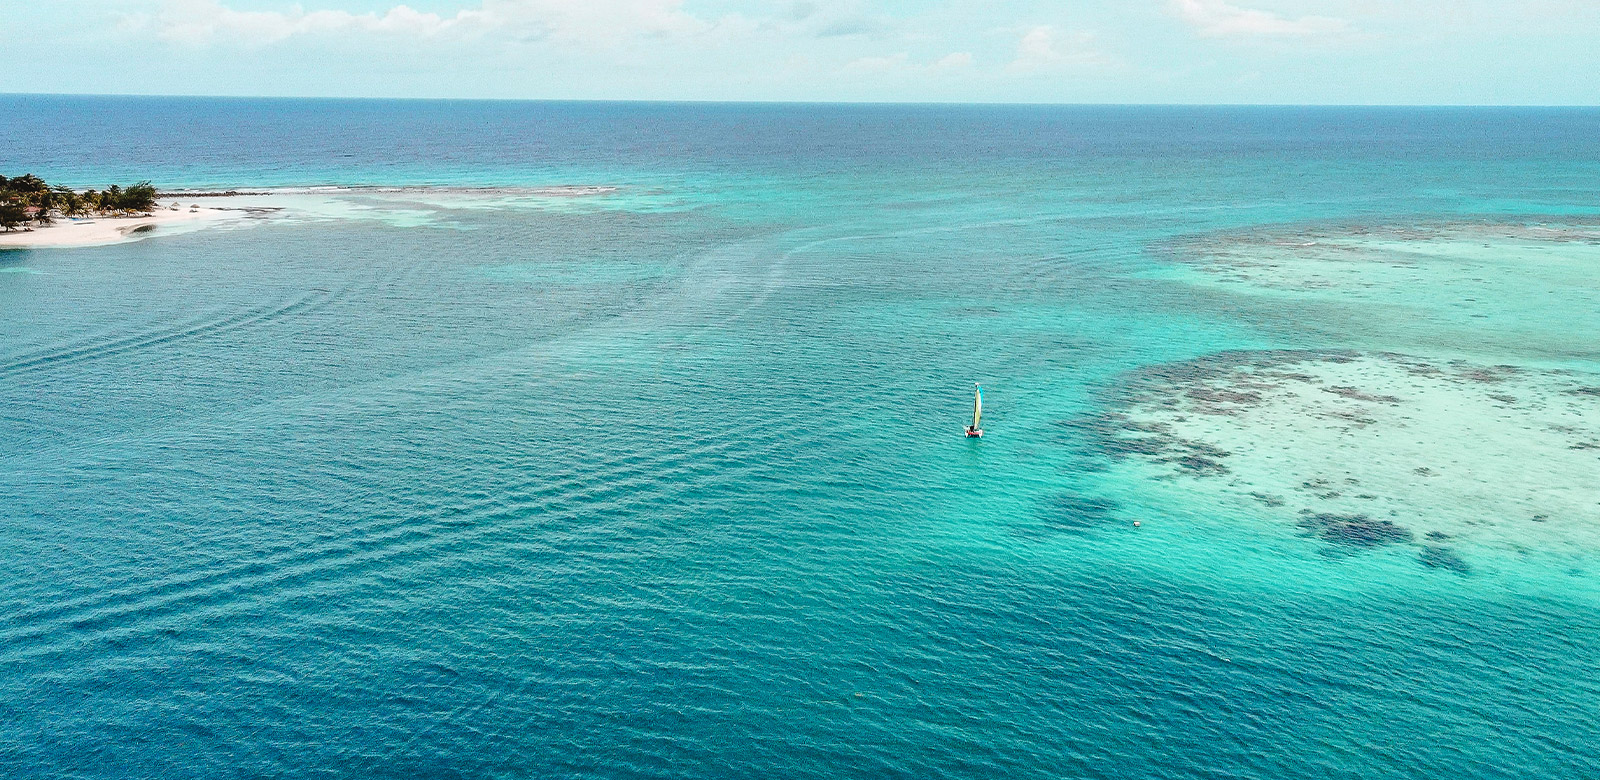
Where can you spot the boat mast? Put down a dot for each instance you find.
(977, 405)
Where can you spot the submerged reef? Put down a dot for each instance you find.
(1435, 556)
(1524, 288)
(1323, 255)
(1353, 530)
(1460, 411)
(1364, 450)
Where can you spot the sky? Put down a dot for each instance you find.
(1476, 52)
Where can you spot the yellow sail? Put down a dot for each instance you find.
(977, 407)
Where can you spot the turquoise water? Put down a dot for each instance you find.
(668, 481)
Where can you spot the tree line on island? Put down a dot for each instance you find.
(27, 199)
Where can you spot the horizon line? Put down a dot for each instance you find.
(757, 102)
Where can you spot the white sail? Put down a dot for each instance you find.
(977, 407)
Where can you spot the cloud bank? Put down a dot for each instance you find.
(1336, 51)
(201, 22)
(1218, 19)
(1044, 47)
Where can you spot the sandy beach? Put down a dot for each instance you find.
(95, 231)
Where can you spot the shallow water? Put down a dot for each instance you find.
(667, 479)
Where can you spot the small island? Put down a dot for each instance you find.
(35, 213)
(28, 199)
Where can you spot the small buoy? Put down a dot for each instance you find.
(1136, 524)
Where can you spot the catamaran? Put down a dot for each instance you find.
(973, 431)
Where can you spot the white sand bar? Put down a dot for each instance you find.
(94, 231)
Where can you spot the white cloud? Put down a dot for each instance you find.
(1219, 19)
(1043, 47)
(1037, 47)
(902, 64)
(202, 21)
(892, 62)
(595, 21)
(582, 21)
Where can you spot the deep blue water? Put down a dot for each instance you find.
(669, 482)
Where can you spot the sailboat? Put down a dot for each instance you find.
(973, 431)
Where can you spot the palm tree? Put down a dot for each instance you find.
(12, 214)
(139, 197)
(68, 202)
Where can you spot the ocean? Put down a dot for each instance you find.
(624, 440)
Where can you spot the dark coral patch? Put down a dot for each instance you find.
(1144, 445)
(1269, 500)
(1077, 513)
(1437, 557)
(1197, 465)
(1114, 435)
(1358, 531)
(1486, 374)
(1213, 395)
(1356, 395)
(1358, 419)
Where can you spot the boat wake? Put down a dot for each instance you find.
(194, 329)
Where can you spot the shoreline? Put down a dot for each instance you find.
(98, 231)
(182, 214)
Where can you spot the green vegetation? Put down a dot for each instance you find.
(28, 199)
